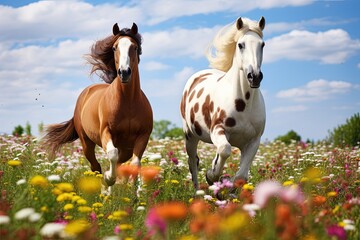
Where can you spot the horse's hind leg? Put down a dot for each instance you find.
(223, 151)
(89, 151)
(191, 148)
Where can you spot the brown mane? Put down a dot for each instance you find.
(101, 56)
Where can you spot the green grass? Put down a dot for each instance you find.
(328, 179)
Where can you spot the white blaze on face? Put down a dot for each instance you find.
(124, 46)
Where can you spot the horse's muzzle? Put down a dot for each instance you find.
(125, 75)
(255, 79)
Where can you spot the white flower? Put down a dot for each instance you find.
(208, 197)
(200, 193)
(251, 208)
(52, 230)
(20, 182)
(24, 213)
(111, 238)
(34, 217)
(4, 219)
(140, 208)
(53, 178)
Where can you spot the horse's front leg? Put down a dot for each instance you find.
(223, 151)
(113, 156)
(247, 156)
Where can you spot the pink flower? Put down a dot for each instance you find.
(266, 190)
(155, 223)
(292, 194)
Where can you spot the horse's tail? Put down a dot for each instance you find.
(58, 134)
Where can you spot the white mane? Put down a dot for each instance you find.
(224, 43)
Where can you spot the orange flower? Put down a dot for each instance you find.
(149, 173)
(171, 210)
(127, 171)
(318, 200)
(199, 207)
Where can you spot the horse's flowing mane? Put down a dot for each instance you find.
(224, 43)
(101, 56)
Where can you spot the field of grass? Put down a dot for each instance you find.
(295, 191)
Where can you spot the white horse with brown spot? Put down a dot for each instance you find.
(224, 105)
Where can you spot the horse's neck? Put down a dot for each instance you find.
(240, 83)
(131, 90)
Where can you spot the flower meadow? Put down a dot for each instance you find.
(296, 191)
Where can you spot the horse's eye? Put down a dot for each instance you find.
(241, 46)
(114, 48)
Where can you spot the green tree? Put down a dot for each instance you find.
(28, 129)
(348, 133)
(287, 138)
(18, 131)
(164, 128)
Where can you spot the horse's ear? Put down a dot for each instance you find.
(239, 23)
(262, 23)
(116, 29)
(134, 29)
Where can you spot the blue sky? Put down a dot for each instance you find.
(311, 59)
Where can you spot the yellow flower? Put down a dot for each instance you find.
(76, 227)
(123, 227)
(56, 191)
(89, 173)
(120, 213)
(44, 209)
(65, 187)
(68, 206)
(84, 209)
(313, 174)
(248, 187)
(336, 208)
(90, 184)
(14, 163)
(75, 198)
(288, 183)
(64, 197)
(81, 201)
(39, 181)
(126, 199)
(68, 217)
(189, 237)
(234, 222)
(175, 181)
(332, 194)
(97, 205)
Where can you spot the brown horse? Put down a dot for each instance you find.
(115, 115)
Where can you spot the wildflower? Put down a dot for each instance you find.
(200, 193)
(155, 224)
(68, 206)
(313, 174)
(285, 222)
(149, 173)
(53, 178)
(20, 182)
(126, 199)
(97, 205)
(44, 209)
(251, 208)
(34, 217)
(65, 187)
(4, 220)
(264, 191)
(127, 171)
(39, 181)
(89, 185)
(336, 231)
(84, 209)
(247, 186)
(14, 163)
(76, 227)
(332, 194)
(318, 200)
(81, 201)
(52, 230)
(199, 207)
(171, 210)
(348, 225)
(124, 227)
(140, 208)
(234, 222)
(288, 183)
(24, 213)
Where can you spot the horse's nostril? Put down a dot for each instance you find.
(249, 76)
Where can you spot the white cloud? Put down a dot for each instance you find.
(316, 90)
(174, 85)
(177, 42)
(296, 108)
(329, 47)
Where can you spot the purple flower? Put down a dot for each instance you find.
(175, 160)
(337, 231)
